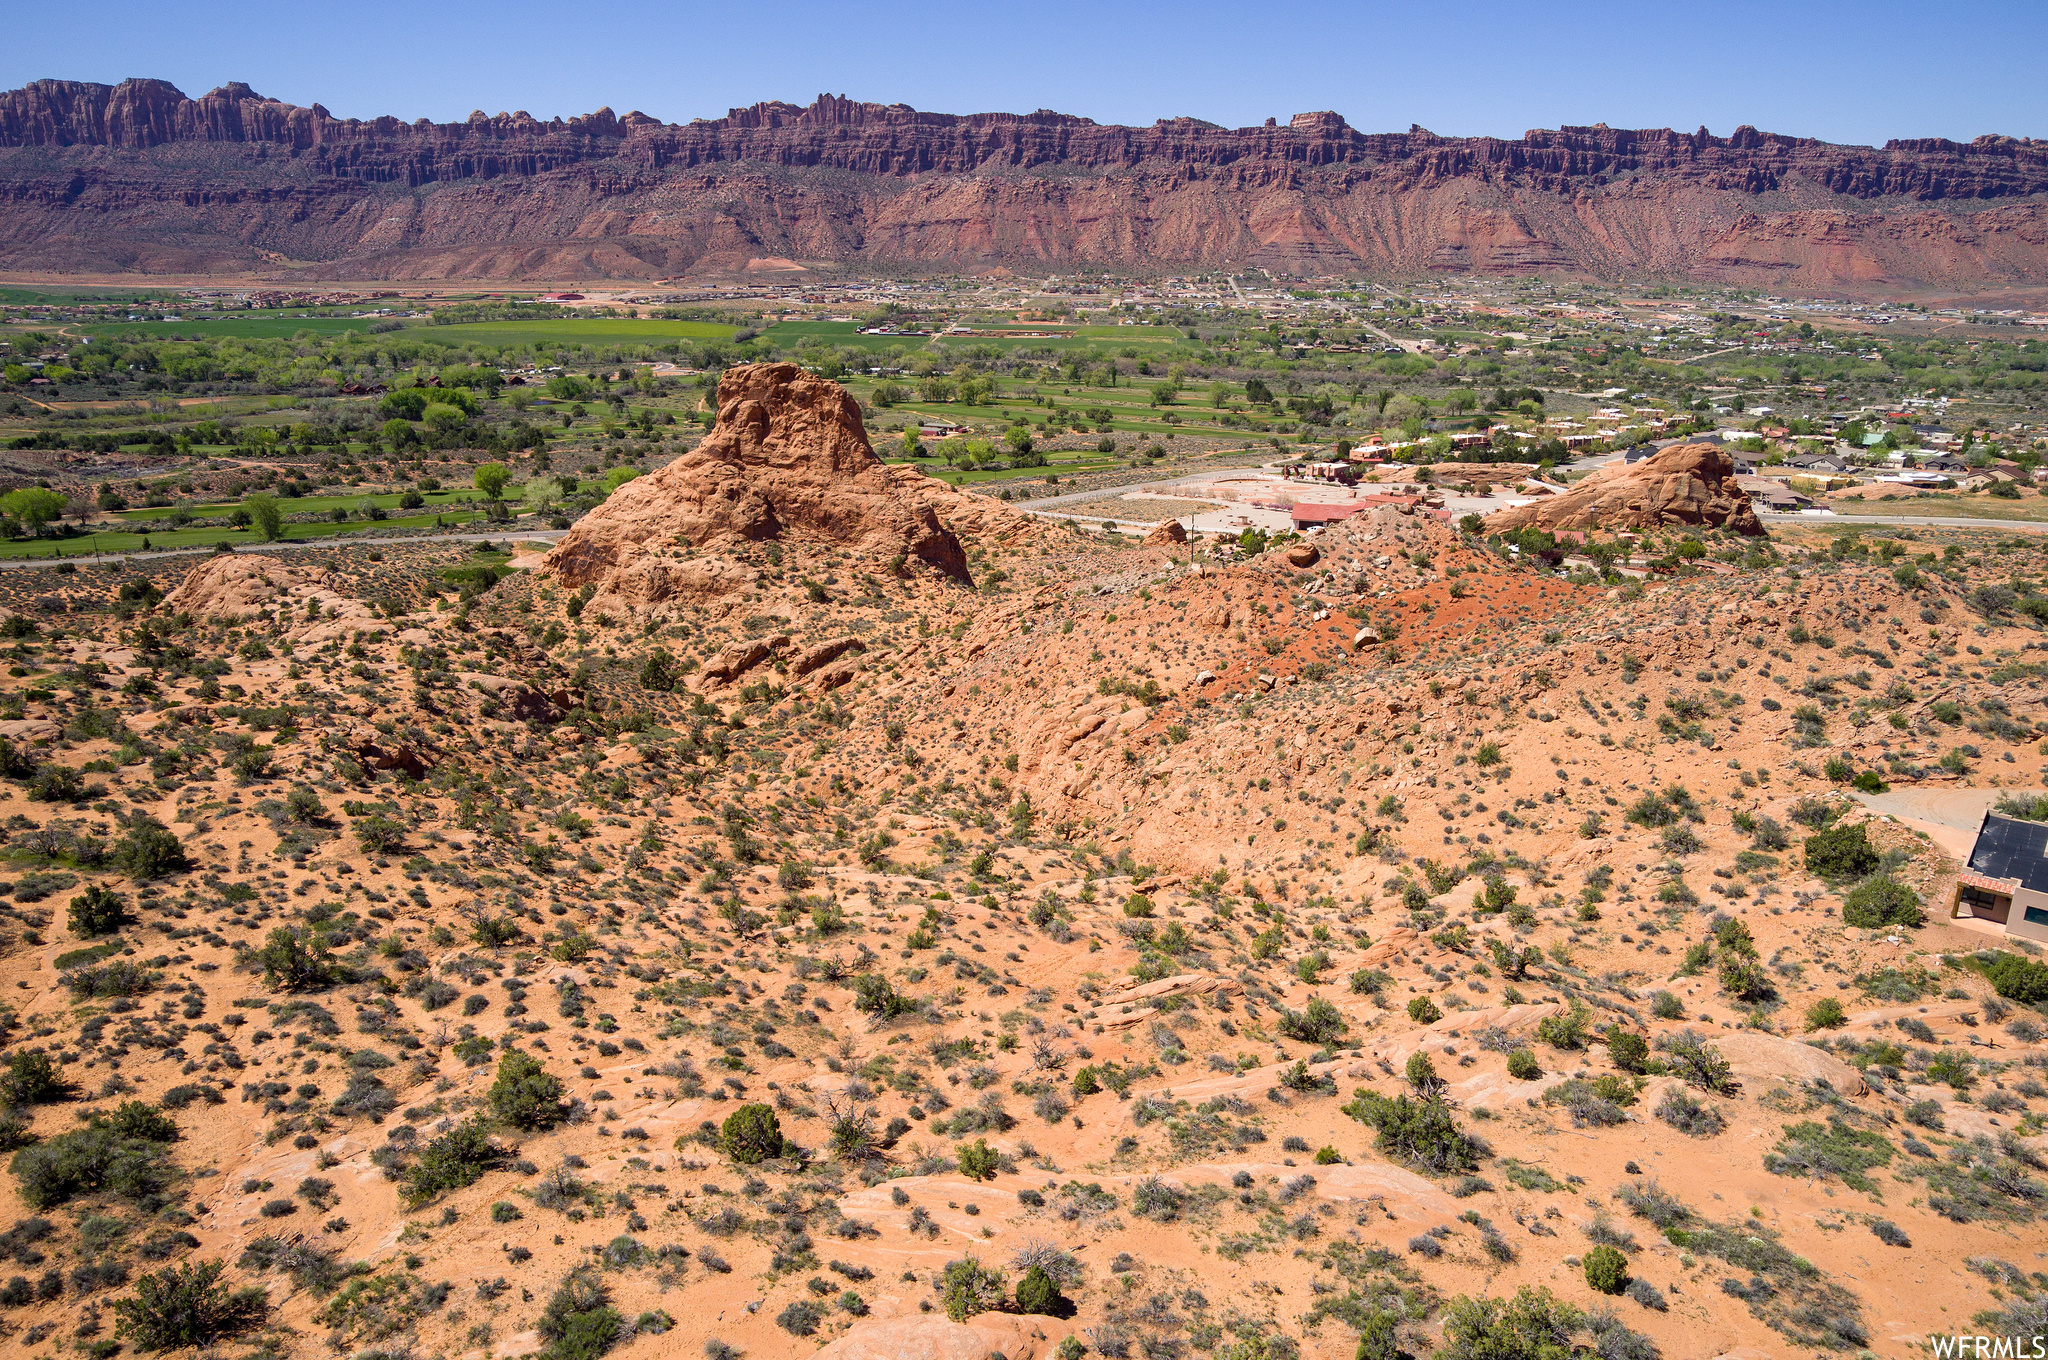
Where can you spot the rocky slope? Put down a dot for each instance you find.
(137, 176)
(1253, 946)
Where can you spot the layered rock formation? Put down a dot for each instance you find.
(137, 176)
(1692, 484)
(788, 456)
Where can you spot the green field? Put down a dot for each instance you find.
(81, 547)
(1071, 466)
(236, 326)
(578, 330)
(67, 297)
(789, 334)
(310, 505)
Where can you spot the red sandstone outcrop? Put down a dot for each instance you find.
(1685, 484)
(232, 178)
(311, 601)
(1165, 533)
(788, 457)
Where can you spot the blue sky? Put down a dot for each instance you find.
(1850, 73)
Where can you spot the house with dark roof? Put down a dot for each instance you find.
(2006, 879)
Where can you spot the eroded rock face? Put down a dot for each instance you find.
(1685, 484)
(1164, 532)
(788, 457)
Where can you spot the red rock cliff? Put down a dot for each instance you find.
(137, 175)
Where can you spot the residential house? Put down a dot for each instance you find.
(1310, 516)
(1817, 462)
(2006, 879)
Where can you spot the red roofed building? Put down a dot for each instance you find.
(1307, 516)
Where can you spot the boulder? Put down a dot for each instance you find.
(1690, 484)
(824, 654)
(1303, 556)
(1166, 531)
(379, 753)
(737, 658)
(312, 604)
(1755, 1057)
(934, 1338)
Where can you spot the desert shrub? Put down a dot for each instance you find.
(800, 1318)
(308, 1266)
(1370, 981)
(1882, 900)
(1840, 852)
(1889, 1233)
(873, 995)
(1422, 1132)
(1154, 1199)
(148, 851)
(98, 911)
(116, 977)
(378, 834)
(1833, 1151)
(1699, 1062)
(1598, 1103)
(1319, 1022)
(1037, 1293)
(1745, 978)
(123, 1154)
(1522, 1065)
(1826, 1013)
(525, 1095)
(751, 1135)
(1666, 1006)
(1568, 1031)
(1606, 1270)
(1689, 1116)
(1626, 1049)
(978, 1161)
(967, 1287)
(293, 961)
(1646, 1294)
(460, 1157)
(1423, 1011)
(2017, 978)
(1533, 1324)
(185, 1306)
(32, 1079)
(579, 1322)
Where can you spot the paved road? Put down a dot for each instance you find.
(521, 536)
(1048, 504)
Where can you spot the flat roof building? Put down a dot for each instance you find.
(2006, 879)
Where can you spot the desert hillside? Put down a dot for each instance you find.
(811, 906)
